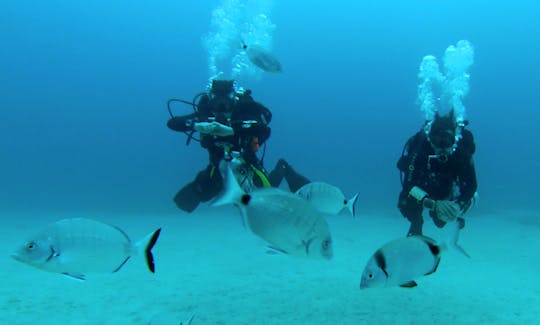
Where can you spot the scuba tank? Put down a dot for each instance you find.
(241, 170)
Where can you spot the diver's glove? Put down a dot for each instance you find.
(445, 210)
(213, 128)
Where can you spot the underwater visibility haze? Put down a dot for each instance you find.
(83, 100)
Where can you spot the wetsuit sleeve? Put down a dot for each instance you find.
(182, 123)
(185, 122)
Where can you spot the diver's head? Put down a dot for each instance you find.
(442, 133)
(222, 95)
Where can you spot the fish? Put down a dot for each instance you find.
(77, 246)
(287, 222)
(262, 58)
(400, 262)
(327, 198)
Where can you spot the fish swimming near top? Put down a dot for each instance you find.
(400, 262)
(262, 58)
(327, 198)
(287, 222)
(78, 246)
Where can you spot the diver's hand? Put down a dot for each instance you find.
(213, 128)
(447, 210)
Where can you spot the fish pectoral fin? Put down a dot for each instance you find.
(80, 277)
(307, 244)
(272, 250)
(410, 284)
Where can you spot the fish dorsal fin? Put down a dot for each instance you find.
(410, 284)
(381, 261)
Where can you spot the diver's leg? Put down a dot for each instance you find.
(284, 170)
(206, 185)
(411, 210)
(187, 199)
(278, 173)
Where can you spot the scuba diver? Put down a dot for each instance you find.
(437, 173)
(233, 127)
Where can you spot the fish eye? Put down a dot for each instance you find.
(325, 244)
(31, 245)
(370, 275)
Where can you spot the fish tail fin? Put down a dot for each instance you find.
(455, 238)
(351, 205)
(460, 249)
(452, 242)
(146, 245)
(233, 192)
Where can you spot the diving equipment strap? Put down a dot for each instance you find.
(262, 176)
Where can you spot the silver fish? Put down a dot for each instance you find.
(262, 58)
(287, 222)
(327, 198)
(77, 246)
(400, 262)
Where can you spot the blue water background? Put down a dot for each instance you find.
(83, 87)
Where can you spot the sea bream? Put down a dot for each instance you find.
(262, 58)
(287, 222)
(78, 246)
(327, 198)
(400, 262)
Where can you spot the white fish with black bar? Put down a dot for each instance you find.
(78, 246)
(400, 262)
(287, 222)
(262, 58)
(327, 198)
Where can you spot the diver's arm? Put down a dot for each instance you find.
(182, 123)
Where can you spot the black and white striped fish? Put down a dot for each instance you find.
(401, 261)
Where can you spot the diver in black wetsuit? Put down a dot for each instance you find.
(438, 173)
(231, 125)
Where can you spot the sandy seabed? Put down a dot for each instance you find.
(211, 267)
